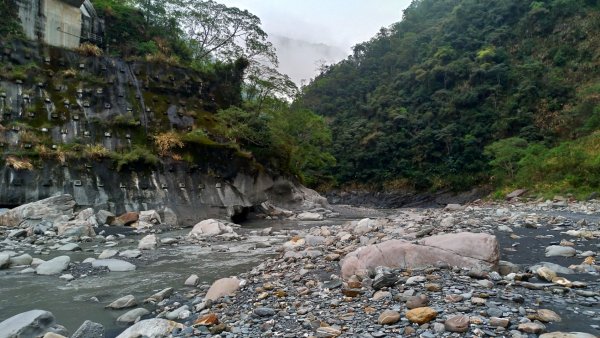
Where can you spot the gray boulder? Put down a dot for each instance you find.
(89, 329)
(47, 209)
(210, 227)
(557, 250)
(24, 259)
(41, 227)
(4, 260)
(69, 247)
(102, 216)
(552, 266)
(169, 217)
(130, 317)
(108, 253)
(151, 328)
(114, 265)
(75, 228)
(150, 216)
(130, 253)
(53, 266)
(28, 324)
(18, 233)
(149, 242)
(123, 303)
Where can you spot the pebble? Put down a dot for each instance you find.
(388, 317)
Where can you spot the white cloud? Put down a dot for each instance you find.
(310, 24)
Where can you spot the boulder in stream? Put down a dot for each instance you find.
(150, 242)
(28, 324)
(89, 329)
(210, 227)
(54, 266)
(114, 265)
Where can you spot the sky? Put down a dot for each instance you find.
(308, 33)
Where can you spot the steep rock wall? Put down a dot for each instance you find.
(193, 195)
(62, 102)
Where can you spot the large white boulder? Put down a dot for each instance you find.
(114, 265)
(76, 228)
(150, 242)
(223, 287)
(364, 226)
(310, 216)
(27, 324)
(150, 216)
(47, 209)
(465, 250)
(151, 328)
(54, 266)
(210, 227)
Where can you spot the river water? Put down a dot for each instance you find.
(73, 302)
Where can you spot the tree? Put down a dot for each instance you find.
(266, 82)
(224, 33)
(505, 156)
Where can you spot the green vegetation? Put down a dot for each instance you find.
(218, 74)
(291, 139)
(138, 157)
(466, 92)
(570, 167)
(11, 26)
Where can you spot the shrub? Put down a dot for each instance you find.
(505, 156)
(198, 136)
(18, 164)
(96, 151)
(43, 151)
(163, 58)
(165, 142)
(136, 156)
(89, 49)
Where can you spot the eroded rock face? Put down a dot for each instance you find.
(28, 324)
(465, 250)
(48, 209)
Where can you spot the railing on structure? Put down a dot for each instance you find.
(91, 37)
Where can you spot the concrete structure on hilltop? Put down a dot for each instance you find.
(61, 23)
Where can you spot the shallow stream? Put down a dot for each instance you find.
(74, 302)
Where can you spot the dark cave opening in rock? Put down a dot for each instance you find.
(241, 215)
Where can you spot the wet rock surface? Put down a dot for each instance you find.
(299, 288)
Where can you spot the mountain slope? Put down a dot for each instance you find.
(417, 105)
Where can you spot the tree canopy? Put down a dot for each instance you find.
(423, 99)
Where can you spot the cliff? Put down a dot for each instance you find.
(87, 126)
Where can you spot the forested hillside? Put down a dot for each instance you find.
(466, 92)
